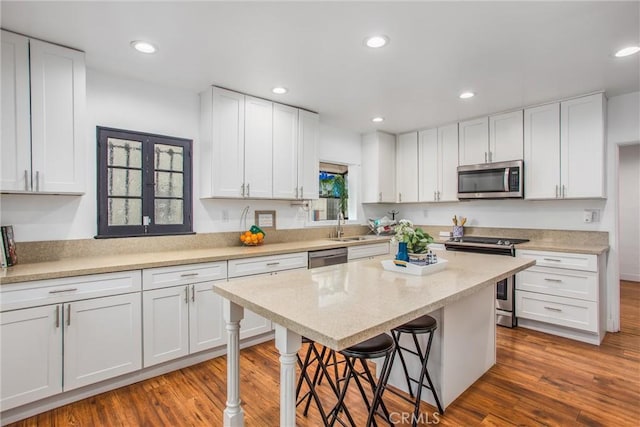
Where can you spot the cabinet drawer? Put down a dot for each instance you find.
(266, 264)
(560, 282)
(163, 277)
(572, 313)
(364, 251)
(53, 291)
(585, 262)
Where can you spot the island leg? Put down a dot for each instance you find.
(288, 343)
(233, 413)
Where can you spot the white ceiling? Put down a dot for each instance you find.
(510, 53)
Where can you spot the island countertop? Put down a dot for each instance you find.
(343, 305)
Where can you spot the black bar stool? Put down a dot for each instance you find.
(313, 356)
(422, 325)
(378, 346)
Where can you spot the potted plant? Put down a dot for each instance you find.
(411, 240)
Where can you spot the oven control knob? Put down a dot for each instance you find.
(506, 243)
(500, 242)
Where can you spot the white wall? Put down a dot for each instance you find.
(629, 174)
(118, 102)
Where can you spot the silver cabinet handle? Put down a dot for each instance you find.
(564, 194)
(57, 316)
(552, 259)
(193, 293)
(37, 180)
(69, 315)
(248, 191)
(271, 264)
(189, 274)
(380, 196)
(434, 196)
(552, 308)
(552, 280)
(399, 197)
(26, 180)
(242, 189)
(485, 157)
(186, 294)
(438, 192)
(59, 291)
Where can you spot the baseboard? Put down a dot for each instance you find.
(630, 277)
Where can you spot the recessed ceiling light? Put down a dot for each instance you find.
(377, 119)
(144, 47)
(377, 41)
(467, 95)
(627, 51)
(279, 90)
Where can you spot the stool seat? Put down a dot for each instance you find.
(421, 325)
(375, 347)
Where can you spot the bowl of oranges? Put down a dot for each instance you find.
(252, 237)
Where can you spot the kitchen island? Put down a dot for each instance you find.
(339, 306)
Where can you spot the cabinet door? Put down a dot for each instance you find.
(15, 166)
(407, 167)
(222, 150)
(474, 141)
(166, 324)
(582, 147)
(506, 136)
(542, 152)
(308, 140)
(285, 152)
(206, 325)
(258, 148)
(428, 166)
(447, 167)
(58, 139)
(102, 339)
(386, 168)
(370, 154)
(31, 355)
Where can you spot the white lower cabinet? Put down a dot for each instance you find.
(31, 362)
(367, 251)
(181, 317)
(562, 295)
(66, 342)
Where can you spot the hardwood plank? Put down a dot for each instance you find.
(539, 379)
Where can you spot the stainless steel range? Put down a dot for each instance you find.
(505, 289)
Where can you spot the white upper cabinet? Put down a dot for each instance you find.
(564, 149)
(308, 142)
(222, 143)
(474, 141)
(407, 167)
(506, 137)
(285, 152)
(378, 168)
(582, 149)
(438, 160)
(542, 151)
(254, 148)
(258, 148)
(42, 151)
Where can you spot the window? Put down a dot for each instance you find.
(144, 184)
(334, 194)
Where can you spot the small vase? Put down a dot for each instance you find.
(403, 254)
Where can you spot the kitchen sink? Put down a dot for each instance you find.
(358, 238)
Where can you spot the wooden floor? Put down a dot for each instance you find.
(538, 380)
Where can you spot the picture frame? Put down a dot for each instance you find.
(266, 219)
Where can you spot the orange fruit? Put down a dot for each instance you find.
(260, 235)
(242, 238)
(247, 234)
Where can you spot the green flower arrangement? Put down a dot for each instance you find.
(416, 238)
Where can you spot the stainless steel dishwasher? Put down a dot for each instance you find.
(326, 257)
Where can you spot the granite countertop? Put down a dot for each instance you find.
(342, 305)
(593, 249)
(109, 263)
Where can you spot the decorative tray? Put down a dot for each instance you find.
(416, 270)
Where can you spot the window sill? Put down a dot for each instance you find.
(186, 233)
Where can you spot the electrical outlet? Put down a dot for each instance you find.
(587, 216)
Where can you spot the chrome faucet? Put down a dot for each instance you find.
(339, 231)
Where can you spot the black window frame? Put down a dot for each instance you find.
(148, 141)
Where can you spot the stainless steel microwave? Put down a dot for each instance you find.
(501, 180)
